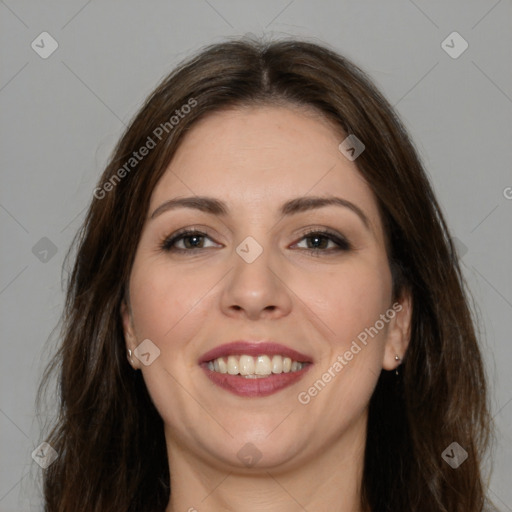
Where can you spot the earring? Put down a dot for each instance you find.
(397, 358)
(130, 356)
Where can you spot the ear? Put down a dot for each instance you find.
(399, 332)
(129, 334)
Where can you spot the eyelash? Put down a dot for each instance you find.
(342, 243)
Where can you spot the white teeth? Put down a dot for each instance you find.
(263, 366)
(232, 365)
(251, 367)
(277, 364)
(246, 365)
(223, 366)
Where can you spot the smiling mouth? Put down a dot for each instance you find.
(255, 367)
(254, 377)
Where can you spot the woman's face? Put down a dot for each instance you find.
(263, 271)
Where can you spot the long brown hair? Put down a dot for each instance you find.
(108, 434)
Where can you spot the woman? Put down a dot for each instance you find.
(266, 311)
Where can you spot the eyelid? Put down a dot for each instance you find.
(340, 240)
(180, 234)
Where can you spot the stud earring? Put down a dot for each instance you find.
(397, 359)
(130, 356)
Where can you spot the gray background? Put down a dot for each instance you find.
(62, 115)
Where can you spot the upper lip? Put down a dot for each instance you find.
(254, 348)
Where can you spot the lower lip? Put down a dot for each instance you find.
(258, 387)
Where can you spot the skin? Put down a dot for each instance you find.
(255, 159)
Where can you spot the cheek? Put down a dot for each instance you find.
(163, 301)
(161, 297)
(349, 299)
(349, 302)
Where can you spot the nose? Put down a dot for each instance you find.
(257, 289)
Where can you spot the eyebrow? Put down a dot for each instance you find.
(215, 206)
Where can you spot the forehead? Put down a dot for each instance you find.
(263, 156)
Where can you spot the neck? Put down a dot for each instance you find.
(328, 482)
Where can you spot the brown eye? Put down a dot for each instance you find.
(192, 240)
(318, 242)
